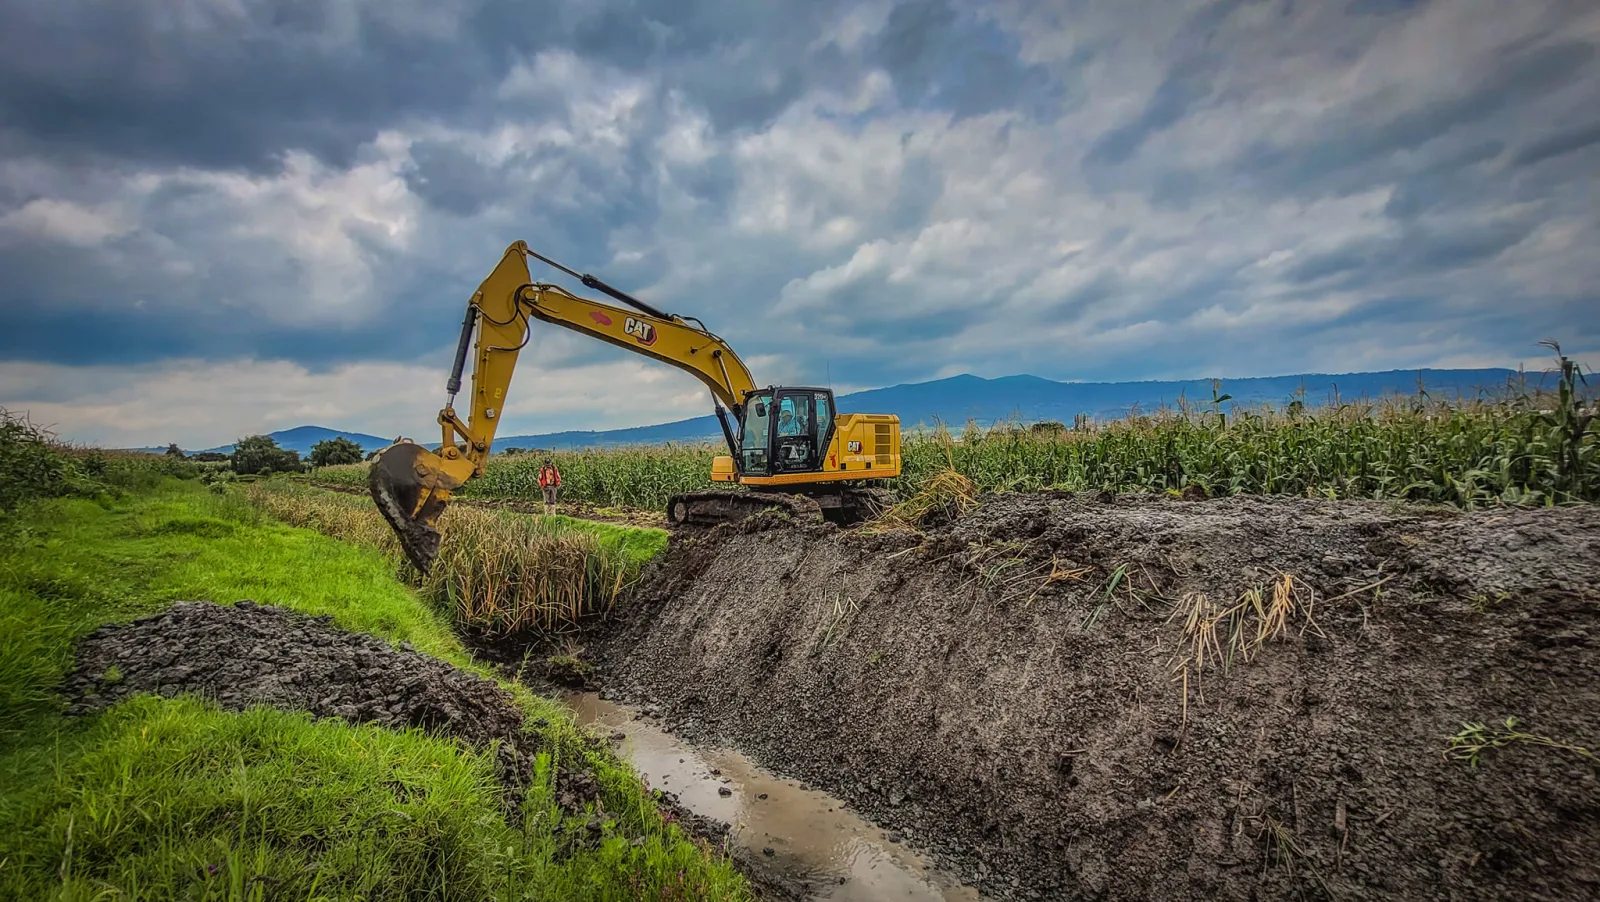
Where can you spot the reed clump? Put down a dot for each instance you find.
(944, 497)
(497, 572)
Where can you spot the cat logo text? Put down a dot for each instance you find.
(642, 332)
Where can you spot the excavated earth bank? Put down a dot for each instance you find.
(1036, 735)
(248, 654)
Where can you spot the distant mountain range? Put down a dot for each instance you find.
(1030, 399)
(1026, 399)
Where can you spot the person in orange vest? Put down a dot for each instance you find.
(549, 481)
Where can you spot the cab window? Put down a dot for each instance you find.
(757, 425)
(791, 416)
(824, 407)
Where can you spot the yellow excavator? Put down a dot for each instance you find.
(788, 446)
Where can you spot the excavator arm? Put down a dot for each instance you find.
(411, 485)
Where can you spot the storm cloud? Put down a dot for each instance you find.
(868, 192)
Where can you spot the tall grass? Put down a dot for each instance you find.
(1527, 446)
(498, 572)
(34, 464)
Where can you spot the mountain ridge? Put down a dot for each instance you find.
(1024, 397)
(955, 399)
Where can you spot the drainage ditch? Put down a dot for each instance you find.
(787, 833)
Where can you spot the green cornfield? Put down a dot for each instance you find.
(1466, 457)
(1527, 448)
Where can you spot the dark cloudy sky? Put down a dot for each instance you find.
(242, 215)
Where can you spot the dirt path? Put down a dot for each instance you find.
(1011, 691)
(581, 510)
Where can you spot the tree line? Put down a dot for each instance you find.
(260, 454)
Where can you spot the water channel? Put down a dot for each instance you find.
(804, 833)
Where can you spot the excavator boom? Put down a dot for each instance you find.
(411, 485)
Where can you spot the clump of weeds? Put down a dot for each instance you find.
(1484, 603)
(944, 497)
(1011, 570)
(1282, 850)
(843, 614)
(1477, 738)
(568, 666)
(1128, 581)
(1215, 635)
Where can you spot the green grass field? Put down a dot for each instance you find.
(170, 799)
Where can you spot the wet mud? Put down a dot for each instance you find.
(1015, 692)
(793, 840)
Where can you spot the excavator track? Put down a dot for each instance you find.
(710, 508)
(846, 505)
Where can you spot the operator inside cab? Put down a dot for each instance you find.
(788, 423)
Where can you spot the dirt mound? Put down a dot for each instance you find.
(1127, 698)
(248, 654)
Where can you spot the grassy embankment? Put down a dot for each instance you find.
(497, 571)
(1525, 447)
(173, 798)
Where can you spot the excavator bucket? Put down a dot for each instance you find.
(411, 486)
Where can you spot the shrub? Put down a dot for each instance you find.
(334, 451)
(33, 465)
(261, 454)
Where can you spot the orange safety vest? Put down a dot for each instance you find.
(549, 476)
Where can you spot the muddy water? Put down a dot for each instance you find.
(811, 837)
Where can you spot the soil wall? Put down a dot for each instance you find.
(1040, 737)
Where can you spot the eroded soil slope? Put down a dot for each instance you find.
(1045, 737)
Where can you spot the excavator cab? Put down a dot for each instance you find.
(785, 430)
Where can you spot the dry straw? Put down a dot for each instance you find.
(1215, 636)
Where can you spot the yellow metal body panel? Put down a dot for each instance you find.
(502, 330)
(864, 446)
